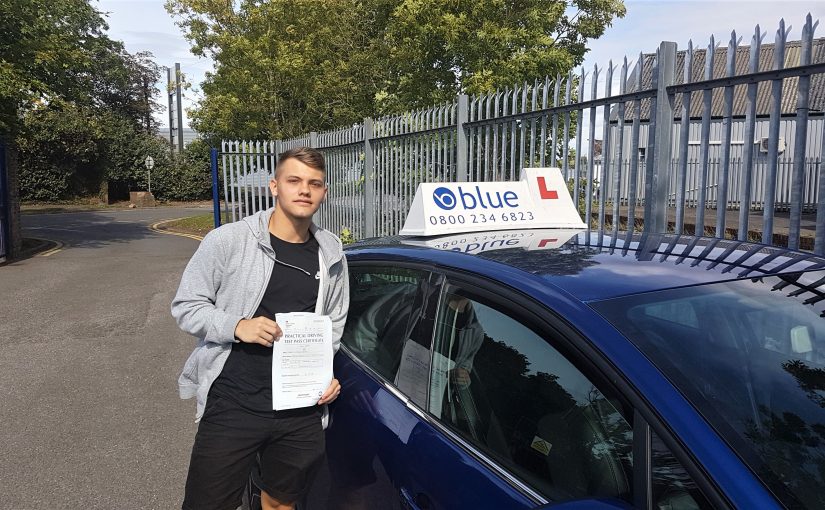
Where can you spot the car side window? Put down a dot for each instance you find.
(507, 391)
(386, 308)
(673, 487)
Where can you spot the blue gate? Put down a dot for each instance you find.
(5, 240)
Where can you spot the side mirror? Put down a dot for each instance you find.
(589, 504)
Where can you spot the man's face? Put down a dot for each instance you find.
(298, 188)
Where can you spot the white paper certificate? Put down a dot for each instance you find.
(301, 360)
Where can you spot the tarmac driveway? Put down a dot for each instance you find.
(90, 358)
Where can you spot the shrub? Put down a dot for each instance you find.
(188, 176)
(60, 153)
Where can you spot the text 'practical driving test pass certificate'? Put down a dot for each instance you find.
(301, 360)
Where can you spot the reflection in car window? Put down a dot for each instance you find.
(383, 316)
(754, 365)
(506, 390)
(673, 488)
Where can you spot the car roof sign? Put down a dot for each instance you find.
(479, 242)
(539, 200)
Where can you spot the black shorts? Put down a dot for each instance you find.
(229, 438)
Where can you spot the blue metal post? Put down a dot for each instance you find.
(216, 200)
(5, 216)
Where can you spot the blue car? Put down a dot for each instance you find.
(571, 370)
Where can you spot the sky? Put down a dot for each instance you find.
(144, 25)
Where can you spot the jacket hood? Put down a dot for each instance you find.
(331, 249)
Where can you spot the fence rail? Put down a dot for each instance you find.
(630, 147)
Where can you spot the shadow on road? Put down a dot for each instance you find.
(91, 230)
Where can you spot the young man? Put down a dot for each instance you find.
(243, 274)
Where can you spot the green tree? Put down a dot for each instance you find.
(48, 51)
(282, 67)
(75, 106)
(124, 83)
(440, 48)
(60, 153)
(68, 150)
(286, 67)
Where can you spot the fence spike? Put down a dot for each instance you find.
(809, 27)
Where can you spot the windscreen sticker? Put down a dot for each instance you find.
(541, 446)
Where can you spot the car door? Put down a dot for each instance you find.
(381, 441)
(508, 388)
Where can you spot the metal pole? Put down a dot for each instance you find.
(747, 169)
(226, 201)
(773, 135)
(178, 97)
(801, 137)
(658, 173)
(149, 178)
(369, 180)
(5, 215)
(216, 200)
(461, 140)
(169, 97)
(591, 156)
(724, 168)
(684, 138)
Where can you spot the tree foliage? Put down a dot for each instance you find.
(46, 51)
(187, 176)
(60, 153)
(440, 48)
(286, 67)
(80, 151)
(57, 51)
(76, 107)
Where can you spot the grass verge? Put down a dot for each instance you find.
(72, 206)
(199, 225)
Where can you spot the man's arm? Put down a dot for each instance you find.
(194, 304)
(340, 305)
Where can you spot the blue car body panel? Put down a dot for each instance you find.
(414, 457)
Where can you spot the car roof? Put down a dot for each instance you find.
(592, 266)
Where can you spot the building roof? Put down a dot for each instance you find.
(189, 135)
(793, 54)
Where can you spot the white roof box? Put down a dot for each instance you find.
(539, 200)
(479, 242)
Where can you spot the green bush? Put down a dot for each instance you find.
(60, 153)
(68, 151)
(125, 161)
(580, 198)
(186, 177)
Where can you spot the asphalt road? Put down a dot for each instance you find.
(88, 366)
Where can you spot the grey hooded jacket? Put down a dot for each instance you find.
(224, 282)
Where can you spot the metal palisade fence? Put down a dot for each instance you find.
(728, 141)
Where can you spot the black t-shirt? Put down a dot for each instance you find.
(247, 376)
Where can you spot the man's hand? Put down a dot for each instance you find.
(333, 390)
(259, 330)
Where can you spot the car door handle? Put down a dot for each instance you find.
(409, 502)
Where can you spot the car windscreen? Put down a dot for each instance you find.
(750, 356)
